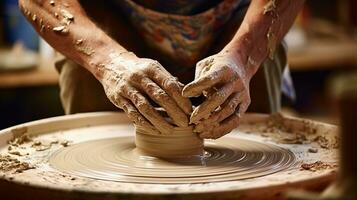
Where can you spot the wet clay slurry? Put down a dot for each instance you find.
(225, 159)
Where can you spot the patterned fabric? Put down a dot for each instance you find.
(180, 7)
(178, 28)
(183, 36)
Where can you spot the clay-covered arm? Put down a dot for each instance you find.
(66, 27)
(127, 80)
(224, 77)
(263, 28)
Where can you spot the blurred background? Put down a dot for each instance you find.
(322, 45)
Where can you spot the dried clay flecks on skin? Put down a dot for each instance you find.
(272, 40)
(26, 12)
(251, 62)
(34, 17)
(60, 29)
(138, 76)
(79, 41)
(42, 28)
(100, 69)
(117, 57)
(85, 50)
(269, 7)
(67, 17)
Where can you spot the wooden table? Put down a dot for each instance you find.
(44, 75)
(318, 55)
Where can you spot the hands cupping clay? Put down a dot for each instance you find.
(227, 97)
(225, 80)
(128, 82)
(131, 82)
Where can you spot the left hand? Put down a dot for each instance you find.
(224, 80)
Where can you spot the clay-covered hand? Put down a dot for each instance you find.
(224, 80)
(129, 81)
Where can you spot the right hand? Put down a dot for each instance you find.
(129, 80)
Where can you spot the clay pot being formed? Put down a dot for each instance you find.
(182, 142)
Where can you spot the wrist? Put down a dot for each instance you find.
(240, 56)
(250, 44)
(114, 63)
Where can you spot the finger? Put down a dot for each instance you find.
(203, 66)
(171, 85)
(238, 102)
(210, 79)
(164, 100)
(243, 106)
(225, 127)
(228, 108)
(145, 108)
(202, 127)
(134, 115)
(206, 108)
(209, 92)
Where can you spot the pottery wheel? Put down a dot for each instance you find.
(86, 156)
(226, 159)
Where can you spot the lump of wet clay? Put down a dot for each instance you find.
(182, 142)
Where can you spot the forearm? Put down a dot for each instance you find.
(264, 26)
(66, 27)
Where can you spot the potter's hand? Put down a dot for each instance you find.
(130, 81)
(225, 82)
